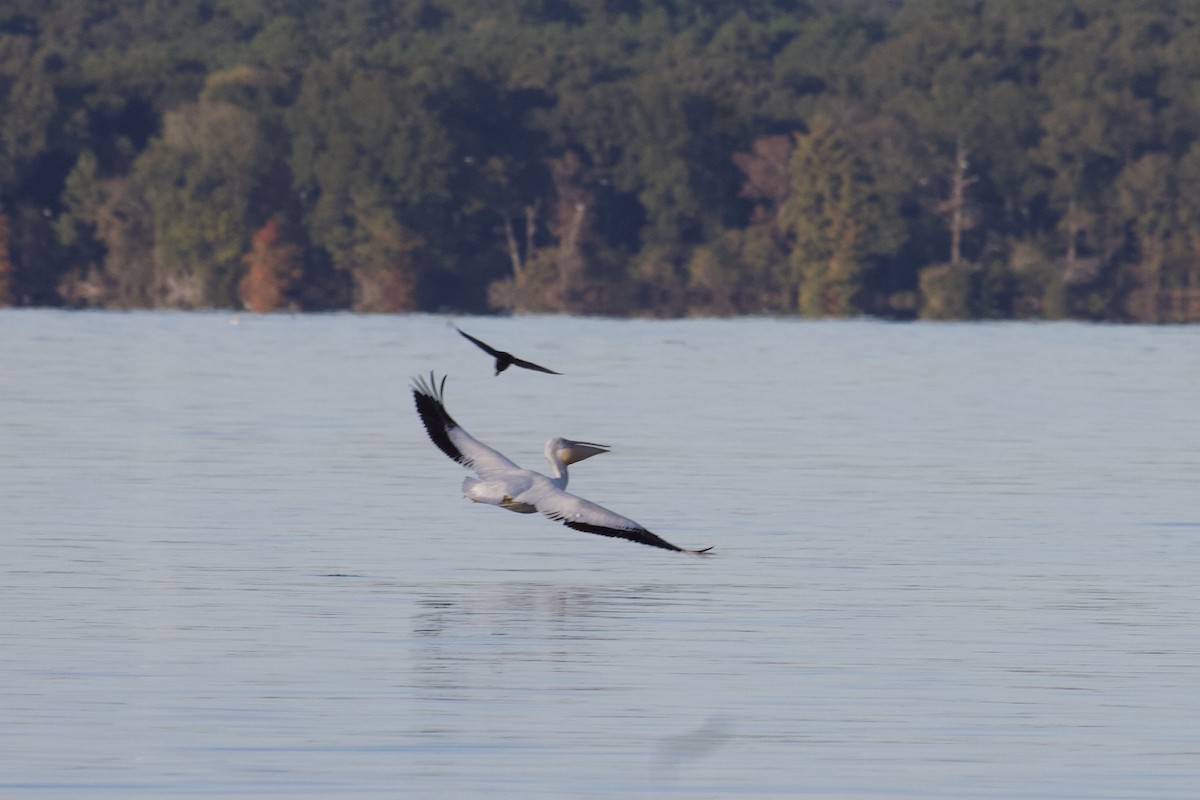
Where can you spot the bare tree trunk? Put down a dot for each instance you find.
(958, 202)
(510, 238)
(570, 260)
(571, 240)
(531, 215)
(7, 295)
(1072, 235)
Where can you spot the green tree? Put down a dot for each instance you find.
(122, 271)
(1009, 157)
(369, 156)
(28, 104)
(834, 221)
(737, 273)
(1154, 208)
(204, 179)
(956, 84)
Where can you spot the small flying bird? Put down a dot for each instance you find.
(503, 483)
(505, 360)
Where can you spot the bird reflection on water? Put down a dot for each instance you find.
(477, 646)
(508, 608)
(695, 744)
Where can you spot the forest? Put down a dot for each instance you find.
(933, 159)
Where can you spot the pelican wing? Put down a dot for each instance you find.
(584, 515)
(448, 435)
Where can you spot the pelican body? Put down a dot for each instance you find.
(500, 482)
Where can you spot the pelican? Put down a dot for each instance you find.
(505, 360)
(503, 483)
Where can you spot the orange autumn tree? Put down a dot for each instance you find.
(274, 267)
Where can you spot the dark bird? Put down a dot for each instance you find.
(502, 483)
(505, 360)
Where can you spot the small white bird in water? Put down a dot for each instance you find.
(503, 483)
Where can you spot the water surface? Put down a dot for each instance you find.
(953, 561)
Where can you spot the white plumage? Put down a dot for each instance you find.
(502, 483)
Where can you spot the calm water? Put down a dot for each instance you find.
(952, 561)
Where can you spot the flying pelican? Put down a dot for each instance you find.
(505, 360)
(502, 483)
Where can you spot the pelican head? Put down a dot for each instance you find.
(569, 451)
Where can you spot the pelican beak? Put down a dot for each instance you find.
(578, 451)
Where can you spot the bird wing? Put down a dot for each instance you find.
(505, 358)
(448, 435)
(520, 362)
(584, 515)
(487, 348)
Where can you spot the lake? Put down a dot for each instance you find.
(950, 560)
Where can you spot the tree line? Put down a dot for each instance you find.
(912, 158)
